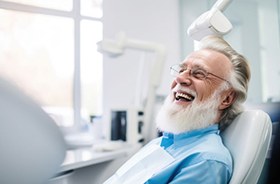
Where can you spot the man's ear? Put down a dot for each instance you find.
(228, 98)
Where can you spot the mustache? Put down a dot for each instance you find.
(180, 88)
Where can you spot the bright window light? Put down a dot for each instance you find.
(38, 55)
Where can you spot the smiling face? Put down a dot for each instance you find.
(186, 88)
(197, 100)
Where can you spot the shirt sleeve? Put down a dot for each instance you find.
(207, 171)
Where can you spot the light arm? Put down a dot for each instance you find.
(212, 22)
(117, 47)
(221, 4)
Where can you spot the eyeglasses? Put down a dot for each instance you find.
(197, 73)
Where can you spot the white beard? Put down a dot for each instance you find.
(174, 118)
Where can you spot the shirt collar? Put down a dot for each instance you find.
(170, 138)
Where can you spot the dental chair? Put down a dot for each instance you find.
(32, 146)
(248, 138)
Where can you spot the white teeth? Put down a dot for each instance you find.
(186, 96)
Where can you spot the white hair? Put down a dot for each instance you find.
(239, 77)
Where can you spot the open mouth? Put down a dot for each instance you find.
(179, 96)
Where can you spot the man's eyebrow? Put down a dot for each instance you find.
(195, 66)
(199, 67)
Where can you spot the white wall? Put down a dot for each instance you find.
(270, 47)
(150, 20)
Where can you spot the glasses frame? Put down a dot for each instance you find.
(177, 73)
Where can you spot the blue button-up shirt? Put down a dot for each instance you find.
(200, 157)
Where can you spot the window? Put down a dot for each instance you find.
(48, 49)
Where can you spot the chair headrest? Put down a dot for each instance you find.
(248, 138)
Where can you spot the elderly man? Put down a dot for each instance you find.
(208, 90)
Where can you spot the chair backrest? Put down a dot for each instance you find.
(248, 139)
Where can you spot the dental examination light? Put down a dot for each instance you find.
(116, 48)
(212, 22)
(32, 145)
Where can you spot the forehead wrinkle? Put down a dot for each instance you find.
(203, 56)
(195, 62)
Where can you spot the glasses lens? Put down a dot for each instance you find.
(175, 70)
(199, 73)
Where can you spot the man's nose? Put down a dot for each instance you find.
(186, 71)
(184, 78)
